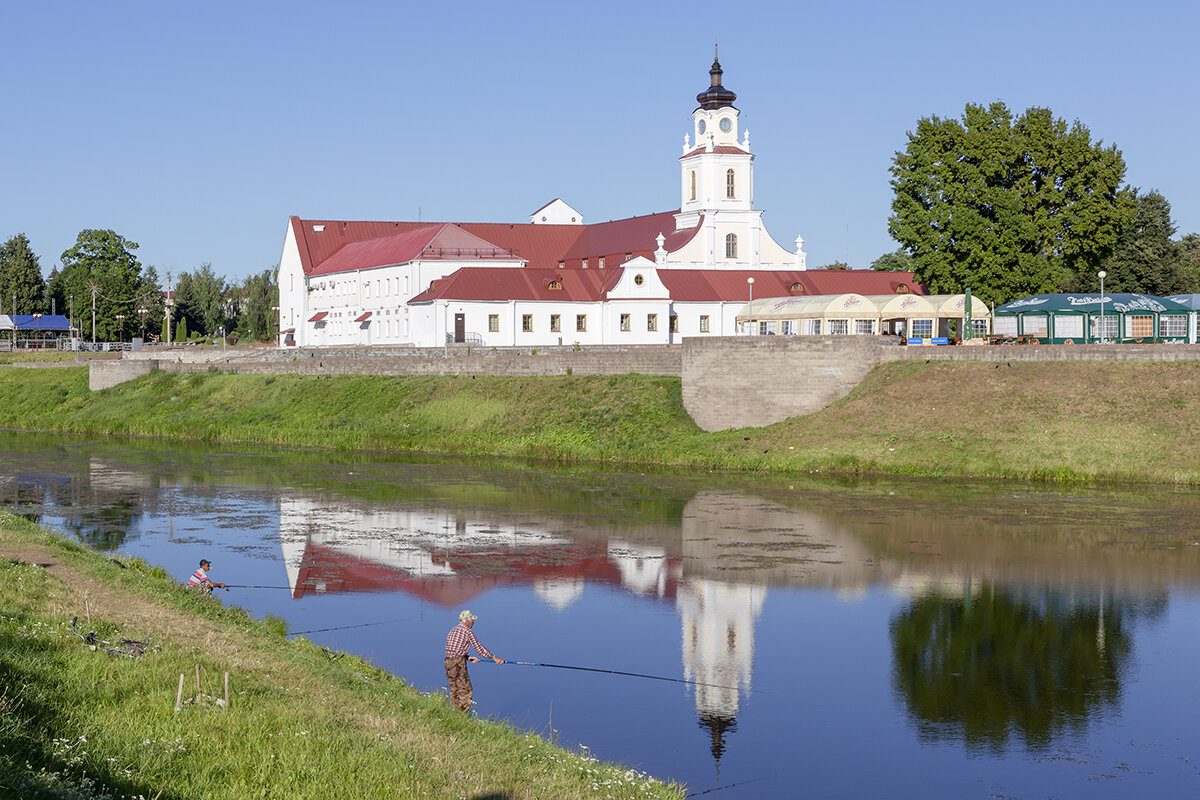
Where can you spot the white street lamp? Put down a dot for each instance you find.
(446, 326)
(750, 282)
(1102, 275)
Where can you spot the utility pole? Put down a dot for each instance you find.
(93, 316)
(167, 308)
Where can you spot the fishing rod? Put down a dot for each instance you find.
(247, 586)
(619, 672)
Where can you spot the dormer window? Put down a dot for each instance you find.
(585, 264)
(797, 287)
(555, 284)
(600, 262)
(729, 184)
(901, 288)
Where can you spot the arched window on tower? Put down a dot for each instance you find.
(693, 197)
(731, 246)
(729, 184)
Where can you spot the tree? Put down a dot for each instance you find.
(835, 265)
(895, 261)
(260, 295)
(21, 277)
(1145, 258)
(200, 300)
(1006, 207)
(101, 264)
(1189, 253)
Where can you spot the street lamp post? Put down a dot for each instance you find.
(37, 330)
(446, 325)
(120, 327)
(142, 313)
(750, 283)
(278, 335)
(1102, 275)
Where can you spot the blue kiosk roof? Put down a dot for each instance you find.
(45, 322)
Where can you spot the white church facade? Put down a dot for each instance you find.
(649, 280)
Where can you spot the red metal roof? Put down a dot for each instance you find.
(486, 283)
(723, 149)
(540, 246)
(363, 317)
(320, 315)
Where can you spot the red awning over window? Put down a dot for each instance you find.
(289, 330)
(364, 317)
(320, 315)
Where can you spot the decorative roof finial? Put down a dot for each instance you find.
(717, 96)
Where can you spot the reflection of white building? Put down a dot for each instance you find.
(718, 622)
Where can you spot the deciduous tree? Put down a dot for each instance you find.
(101, 264)
(1008, 207)
(260, 295)
(1145, 258)
(895, 261)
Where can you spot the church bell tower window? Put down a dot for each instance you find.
(693, 197)
(729, 184)
(731, 246)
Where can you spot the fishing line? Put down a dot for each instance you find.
(247, 586)
(346, 627)
(727, 786)
(619, 672)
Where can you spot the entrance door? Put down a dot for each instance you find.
(460, 327)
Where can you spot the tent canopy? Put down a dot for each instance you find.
(1191, 301)
(857, 306)
(1115, 303)
(34, 322)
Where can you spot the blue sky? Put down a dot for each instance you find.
(197, 129)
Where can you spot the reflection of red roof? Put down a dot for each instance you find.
(320, 315)
(321, 242)
(475, 571)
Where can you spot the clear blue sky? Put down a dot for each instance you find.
(197, 129)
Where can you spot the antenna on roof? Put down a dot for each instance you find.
(418, 215)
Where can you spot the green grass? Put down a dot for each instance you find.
(1062, 422)
(78, 723)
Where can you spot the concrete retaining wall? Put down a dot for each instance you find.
(106, 374)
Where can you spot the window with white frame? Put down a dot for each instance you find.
(765, 328)
(1105, 327)
(731, 246)
(624, 322)
(1068, 326)
(787, 327)
(674, 323)
(556, 323)
(839, 327)
(812, 327)
(652, 322)
(922, 328)
(704, 323)
(1172, 326)
(864, 327)
(979, 326)
(1004, 326)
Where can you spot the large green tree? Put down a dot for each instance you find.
(895, 261)
(102, 266)
(20, 278)
(200, 298)
(1008, 207)
(1145, 258)
(260, 297)
(1189, 251)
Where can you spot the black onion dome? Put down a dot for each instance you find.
(716, 96)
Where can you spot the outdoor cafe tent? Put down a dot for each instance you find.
(904, 314)
(1082, 318)
(1192, 301)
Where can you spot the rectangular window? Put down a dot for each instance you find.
(581, 322)
(922, 328)
(674, 323)
(1140, 326)
(1172, 325)
(493, 323)
(1034, 325)
(1068, 326)
(652, 322)
(864, 327)
(704, 323)
(556, 323)
(624, 322)
(787, 327)
(527, 322)
(1004, 326)
(585, 263)
(766, 328)
(812, 327)
(600, 264)
(839, 327)
(979, 326)
(1105, 327)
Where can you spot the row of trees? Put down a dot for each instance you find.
(110, 295)
(1011, 207)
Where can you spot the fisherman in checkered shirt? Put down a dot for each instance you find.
(459, 642)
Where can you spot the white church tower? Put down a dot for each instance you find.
(717, 189)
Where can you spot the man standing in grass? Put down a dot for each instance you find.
(458, 644)
(200, 580)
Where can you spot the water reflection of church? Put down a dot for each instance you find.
(450, 557)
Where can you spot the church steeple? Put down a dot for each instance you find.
(715, 96)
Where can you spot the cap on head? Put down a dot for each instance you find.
(204, 562)
(465, 615)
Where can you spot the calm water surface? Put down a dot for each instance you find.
(884, 639)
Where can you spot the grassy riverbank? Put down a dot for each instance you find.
(1042, 421)
(84, 724)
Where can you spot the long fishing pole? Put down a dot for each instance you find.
(619, 672)
(247, 586)
(346, 627)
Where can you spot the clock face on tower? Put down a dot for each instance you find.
(701, 126)
(726, 124)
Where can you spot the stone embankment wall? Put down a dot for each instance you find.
(746, 382)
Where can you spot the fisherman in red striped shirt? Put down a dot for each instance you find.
(200, 580)
(459, 642)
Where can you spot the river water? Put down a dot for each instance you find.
(889, 638)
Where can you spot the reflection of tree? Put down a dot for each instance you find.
(988, 667)
(105, 527)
